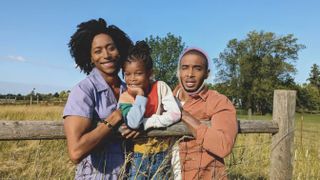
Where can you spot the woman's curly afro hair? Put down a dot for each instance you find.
(81, 40)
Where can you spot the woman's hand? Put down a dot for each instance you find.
(128, 133)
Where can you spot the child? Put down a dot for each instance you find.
(152, 105)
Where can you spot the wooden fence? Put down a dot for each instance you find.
(281, 127)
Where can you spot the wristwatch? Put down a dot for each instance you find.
(107, 124)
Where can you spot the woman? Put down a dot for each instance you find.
(90, 113)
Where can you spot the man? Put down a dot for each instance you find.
(201, 157)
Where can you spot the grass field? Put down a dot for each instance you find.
(47, 159)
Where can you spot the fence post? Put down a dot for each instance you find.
(284, 103)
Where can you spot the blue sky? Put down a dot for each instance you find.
(34, 34)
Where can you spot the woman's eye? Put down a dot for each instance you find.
(97, 52)
(112, 48)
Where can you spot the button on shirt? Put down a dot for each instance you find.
(202, 157)
(93, 98)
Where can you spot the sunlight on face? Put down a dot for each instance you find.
(135, 75)
(192, 71)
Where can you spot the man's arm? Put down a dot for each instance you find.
(220, 137)
(191, 122)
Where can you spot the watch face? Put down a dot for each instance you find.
(108, 124)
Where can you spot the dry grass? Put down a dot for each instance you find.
(47, 159)
(34, 112)
(250, 158)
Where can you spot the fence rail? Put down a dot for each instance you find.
(281, 127)
(37, 130)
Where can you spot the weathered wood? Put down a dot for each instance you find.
(284, 103)
(244, 126)
(282, 128)
(33, 130)
(257, 126)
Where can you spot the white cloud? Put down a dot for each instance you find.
(16, 58)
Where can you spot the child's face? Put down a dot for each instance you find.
(136, 75)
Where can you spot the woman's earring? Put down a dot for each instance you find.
(92, 64)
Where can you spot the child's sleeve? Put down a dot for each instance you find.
(171, 109)
(135, 114)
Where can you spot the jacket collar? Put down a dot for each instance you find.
(203, 94)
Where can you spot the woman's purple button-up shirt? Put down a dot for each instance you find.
(93, 98)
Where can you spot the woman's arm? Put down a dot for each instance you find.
(80, 140)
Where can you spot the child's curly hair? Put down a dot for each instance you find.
(140, 52)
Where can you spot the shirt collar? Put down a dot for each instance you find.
(203, 94)
(100, 83)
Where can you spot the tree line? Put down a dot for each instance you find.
(57, 98)
(248, 70)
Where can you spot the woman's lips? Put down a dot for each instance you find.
(108, 64)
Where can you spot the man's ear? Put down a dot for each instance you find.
(207, 74)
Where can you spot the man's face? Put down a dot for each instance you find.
(193, 71)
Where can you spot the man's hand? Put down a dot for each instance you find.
(128, 133)
(185, 115)
(191, 122)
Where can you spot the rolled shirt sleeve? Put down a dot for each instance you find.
(219, 138)
(79, 103)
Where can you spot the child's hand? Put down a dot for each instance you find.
(134, 91)
(128, 133)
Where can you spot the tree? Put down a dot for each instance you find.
(252, 68)
(56, 95)
(165, 54)
(308, 98)
(314, 76)
(64, 94)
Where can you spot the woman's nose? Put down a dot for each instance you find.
(107, 54)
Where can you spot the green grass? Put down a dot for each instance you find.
(250, 159)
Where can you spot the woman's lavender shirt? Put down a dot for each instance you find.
(93, 98)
